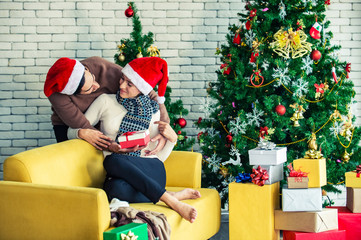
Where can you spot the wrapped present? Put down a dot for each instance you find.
(274, 173)
(307, 221)
(354, 200)
(297, 200)
(316, 169)
(251, 211)
(328, 235)
(353, 179)
(131, 231)
(297, 179)
(350, 222)
(132, 139)
(275, 156)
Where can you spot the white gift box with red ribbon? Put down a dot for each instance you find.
(132, 139)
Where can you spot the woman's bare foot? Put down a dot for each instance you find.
(187, 193)
(188, 212)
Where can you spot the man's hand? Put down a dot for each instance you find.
(153, 95)
(115, 148)
(95, 138)
(161, 142)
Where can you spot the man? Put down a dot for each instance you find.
(71, 86)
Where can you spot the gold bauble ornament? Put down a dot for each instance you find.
(345, 156)
(121, 57)
(139, 55)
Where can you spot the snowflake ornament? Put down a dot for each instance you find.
(301, 87)
(250, 37)
(265, 65)
(206, 108)
(281, 74)
(307, 65)
(214, 162)
(237, 126)
(336, 128)
(255, 117)
(282, 9)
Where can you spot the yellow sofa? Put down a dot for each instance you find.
(54, 192)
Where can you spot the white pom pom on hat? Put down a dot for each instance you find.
(145, 73)
(64, 77)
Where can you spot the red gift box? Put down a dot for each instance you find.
(132, 139)
(328, 235)
(350, 222)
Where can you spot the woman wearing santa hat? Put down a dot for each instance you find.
(137, 174)
(71, 86)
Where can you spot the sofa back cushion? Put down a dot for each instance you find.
(70, 163)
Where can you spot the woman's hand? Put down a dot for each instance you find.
(167, 131)
(95, 138)
(161, 142)
(115, 148)
(153, 95)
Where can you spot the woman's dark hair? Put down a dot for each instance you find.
(81, 84)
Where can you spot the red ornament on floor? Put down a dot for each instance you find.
(129, 12)
(182, 122)
(280, 110)
(316, 55)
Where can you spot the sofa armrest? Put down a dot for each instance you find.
(36, 211)
(184, 169)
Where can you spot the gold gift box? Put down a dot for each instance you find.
(316, 169)
(251, 211)
(352, 180)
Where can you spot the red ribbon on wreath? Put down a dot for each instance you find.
(259, 176)
(358, 171)
(257, 76)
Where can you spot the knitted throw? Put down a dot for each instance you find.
(140, 111)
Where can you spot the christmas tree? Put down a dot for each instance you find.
(280, 82)
(139, 45)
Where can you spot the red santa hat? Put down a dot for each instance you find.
(145, 73)
(64, 77)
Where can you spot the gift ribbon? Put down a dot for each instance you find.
(129, 236)
(358, 171)
(259, 176)
(243, 178)
(294, 173)
(128, 134)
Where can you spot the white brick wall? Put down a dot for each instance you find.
(33, 34)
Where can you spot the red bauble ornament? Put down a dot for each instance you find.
(316, 55)
(280, 110)
(248, 25)
(199, 120)
(237, 39)
(179, 132)
(129, 12)
(182, 122)
(229, 138)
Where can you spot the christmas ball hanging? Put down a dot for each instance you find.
(229, 138)
(129, 12)
(182, 122)
(139, 55)
(121, 57)
(280, 110)
(316, 55)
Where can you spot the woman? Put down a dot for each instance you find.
(137, 174)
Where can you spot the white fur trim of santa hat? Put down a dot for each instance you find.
(74, 79)
(137, 80)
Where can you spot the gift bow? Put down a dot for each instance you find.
(358, 171)
(128, 134)
(243, 178)
(259, 176)
(129, 236)
(294, 173)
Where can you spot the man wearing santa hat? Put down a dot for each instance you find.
(72, 85)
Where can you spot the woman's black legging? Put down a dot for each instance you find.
(134, 179)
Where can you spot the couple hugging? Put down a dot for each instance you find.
(95, 92)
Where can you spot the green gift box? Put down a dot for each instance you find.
(138, 229)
